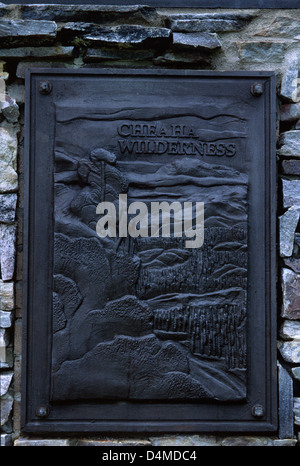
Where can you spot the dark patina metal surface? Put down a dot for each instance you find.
(140, 332)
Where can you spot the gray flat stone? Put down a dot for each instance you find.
(6, 403)
(39, 52)
(285, 408)
(287, 227)
(208, 22)
(24, 32)
(291, 167)
(291, 193)
(10, 109)
(135, 14)
(6, 440)
(293, 264)
(8, 203)
(296, 372)
(290, 282)
(5, 381)
(41, 442)
(290, 351)
(261, 52)
(285, 442)
(290, 330)
(5, 319)
(196, 41)
(24, 65)
(8, 161)
(297, 411)
(17, 92)
(6, 296)
(290, 89)
(289, 143)
(246, 441)
(290, 112)
(7, 251)
(281, 26)
(116, 35)
(121, 442)
(184, 440)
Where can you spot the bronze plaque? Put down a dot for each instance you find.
(150, 240)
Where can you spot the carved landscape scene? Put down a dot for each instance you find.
(146, 318)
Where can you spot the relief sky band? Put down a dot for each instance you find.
(158, 219)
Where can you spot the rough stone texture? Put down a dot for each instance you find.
(7, 251)
(287, 226)
(289, 83)
(180, 440)
(182, 58)
(290, 351)
(10, 109)
(208, 22)
(125, 35)
(5, 319)
(8, 203)
(134, 14)
(291, 167)
(297, 411)
(41, 442)
(6, 296)
(6, 403)
(285, 407)
(6, 440)
(281, 26)
(204, 41)
(102, 54)
(289, 442)
(5, 381)
(291, 193)
(260, 52)
(290, 330)
(17, 92)
(8, 161)
(39, 52)
(293, 264)
(124, 442)
(247, 441)
(24, 65)
(291, 294)
(289, 143)
(26, 32)
(290, 112)
(296, 372)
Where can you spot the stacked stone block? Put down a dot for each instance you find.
(85, 36)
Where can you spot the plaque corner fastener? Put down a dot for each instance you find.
(42, 411)
(257, 89)
(45, 87)
(257, 411)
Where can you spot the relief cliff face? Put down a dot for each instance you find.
(147, 318)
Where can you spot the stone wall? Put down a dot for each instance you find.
(138, 36)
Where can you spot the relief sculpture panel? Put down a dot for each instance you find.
(153, 217)
(146, 317)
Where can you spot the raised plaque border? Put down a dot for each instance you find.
(37, 303)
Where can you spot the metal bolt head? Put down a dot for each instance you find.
(257, 89)
(42, 411)
(258, 411)
(45, 87)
